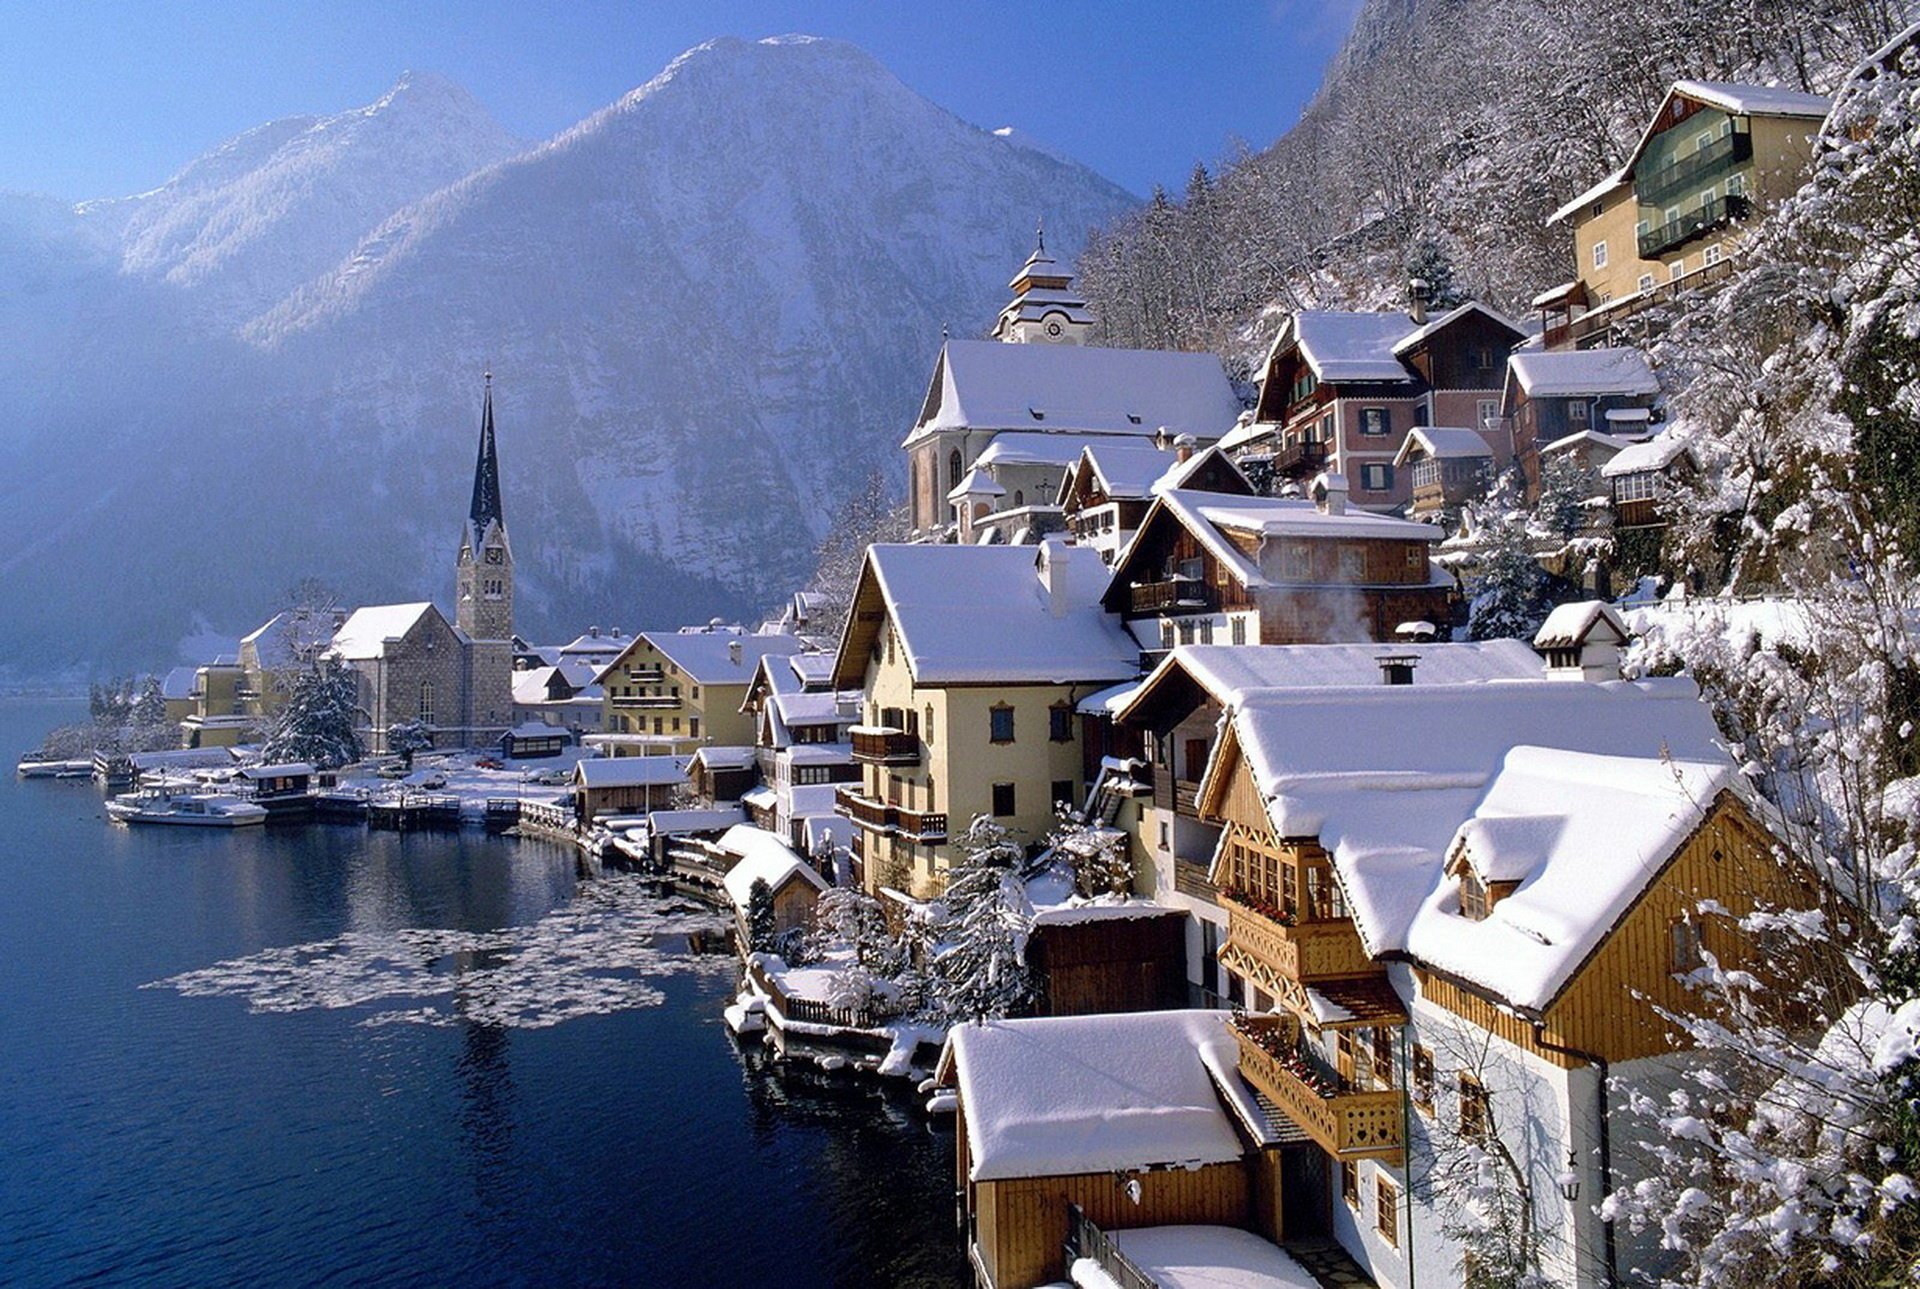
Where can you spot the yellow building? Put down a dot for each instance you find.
(969, 661)
(219, 717)
(677, 691)
(1713, 156)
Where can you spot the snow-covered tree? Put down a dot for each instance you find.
(847, 917)
(1097, 853)
(1430, 263)
(761, 924)
(976, 932)
(1507, 591)
(150, 708)
(319, 722)
(870, 515)
(404, 738)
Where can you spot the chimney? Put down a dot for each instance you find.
(593, 632)
(733, 652)
(1417, 292)
(1162, 438)
(1329, 493)
(1052, 563)
(1183, 447)
(1397, 669)
(1582, 641)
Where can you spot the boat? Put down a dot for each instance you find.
(211, 810)
(33, 766)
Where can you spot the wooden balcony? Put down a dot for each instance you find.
(653, 701)
(884, 745)
(1182, 796)
(1301, 953)
(923, 827)
(1176, 595)
(1190, 880)
(647, 673)
(1298, 460)
(1347, 1125)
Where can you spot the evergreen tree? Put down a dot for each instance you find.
(1097, 853)
(404, 738)
(1429, 261)
(1508, 589)
(761, 924)
(320, 722)
(976, 962)
(150, 709)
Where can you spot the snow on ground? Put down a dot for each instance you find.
(593, 955)
(1209, 1257)
(467, 779)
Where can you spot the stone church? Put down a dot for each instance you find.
(455, 677)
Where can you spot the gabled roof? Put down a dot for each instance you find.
(1349, 346)
(1413, 339)
(1628, 770)
(718, 657)
(1610, 442)
(631, 771)
(1126, 470)
(982, 614)
(1571, 626)
(1084, 389)
(1063, 1095)
(1753, 100)
(1583, 373)
(763, 857)
(1656, 453)
(978, 483)
(364, 634)
(1443, 442)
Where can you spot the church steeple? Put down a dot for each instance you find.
(1044, 308)
(484, 574)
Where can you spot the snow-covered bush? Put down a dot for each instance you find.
(320, 722)
(975, 935)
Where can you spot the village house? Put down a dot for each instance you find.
(1208, 568)
(1552, 397)
(627, 785)
(177, 693)
(672, 691)
(565, 697)
(1641, 476)
(969, 661)
(802, 748)
(1340, 392)
(748, 855)
(219, 717)
(1177, 712)
(1040, 395)
(1448, 466)
(1105, 493)
(1672, 217)
(1445, 940)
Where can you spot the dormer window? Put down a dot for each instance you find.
(1474, 904)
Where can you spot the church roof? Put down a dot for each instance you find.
(364, 634)
(486, 509)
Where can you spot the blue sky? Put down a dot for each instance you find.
(107, 97)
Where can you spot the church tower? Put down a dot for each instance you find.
(1044, 309)
(484, 580)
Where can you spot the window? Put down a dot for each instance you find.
(1296, 562)
(693, 726)
(1060, 723)
(1376, 477)
(1646, 281)
(1416, 554)
(1642, 228)
(659, 725)
(953, 470)
(1423, 1080)
(1473, 896)
(696, 692)
(1002, 799)
(1642, 485)
(1383, 1056)
(1711, 255)
(1374, 420)
(1600, 254)
(1482, 358)
(1350, 1184)
(1237, 633)
(676, 725)
(1489, 410)
(1206, 631)
(1386, 1210)
(1000, 724)
(1683, 946)
(1703, 140)
(1676, 269)
(927, 725)
(1672, 215)
(1353, 564)
(426, 702)
(1736, 185)
(1577, 410)
(1062, 792)
(1019, 498)
(1475, 1111)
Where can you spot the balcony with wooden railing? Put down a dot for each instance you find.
(655, 702)
(1301, 951)
(923, 827)
(1347, 1124)
(1182, 796)
(884, 745)
(1697, 222)
(1176, 594)
(1297, 460)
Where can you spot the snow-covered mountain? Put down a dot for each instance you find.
(710, 310)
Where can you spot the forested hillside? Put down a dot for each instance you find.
(1448, 125)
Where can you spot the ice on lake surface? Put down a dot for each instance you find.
(593, 955)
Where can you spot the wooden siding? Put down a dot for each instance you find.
(1019, 1223)
(1111, 965)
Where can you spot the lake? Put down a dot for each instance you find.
(318, 1055)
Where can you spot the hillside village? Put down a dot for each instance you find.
(1278, 819)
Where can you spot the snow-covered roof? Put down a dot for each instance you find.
(812, 668)
(813, 707)
(1056, 451)
(760, 798)
(1587, 198)
(1435, 325)
(631, 771)
(1570, 625)
(1228, 672)
(1610, 442)
(1208, 1257)
(1063, 1095)
(763, 857)
(1656, 453)
(1351, 346)
(718, 757)
(179, 683)
(597, 641)
(1446, 442)
(719, 657)
(530, 686)
(1180, 471)
(673, 823)
(1296, 517)
(275, 639)
(364, 634)
(978, 483)
(539, 729)
(1755, 100)
(1127, 470)
(984, 384)
(822, 829)
(982, 614)
(283, 770)
(1625, 768)
(1591, 373)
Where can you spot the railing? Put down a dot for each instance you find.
(1615, 312)
(1182, 796)
(1190, 880)
(1304, 951)
(1292, 459)
(1347, 1125)
(1655, 188)
(647, 700)
(885, 747)
(925, 827)
(812, 1011)
(650, 674)
(1675, 232)
(1085, 1239)
(1175, 593)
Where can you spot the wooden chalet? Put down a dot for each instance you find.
(1106, 492)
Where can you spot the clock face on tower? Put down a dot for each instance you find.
(1053, 329)
(493, 555)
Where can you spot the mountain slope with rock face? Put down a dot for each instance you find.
(710, 310)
